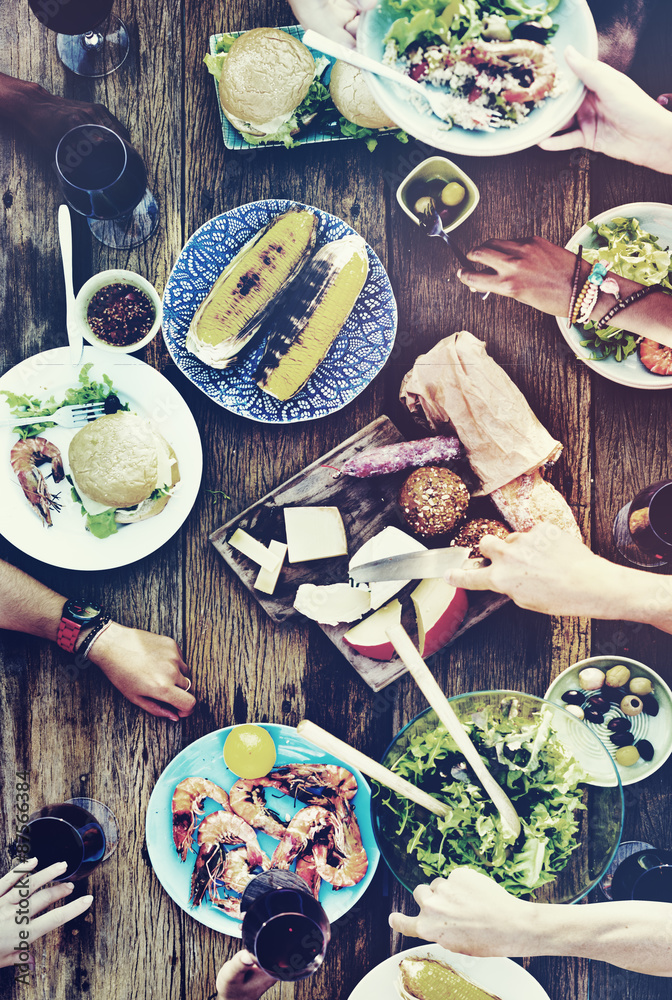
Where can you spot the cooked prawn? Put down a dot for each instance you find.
(246, 798)
(219, 828)
(518, 54)
(348, 851)
(188, 804)
(305, 869)
(301, 831)
(25, 456)
(297, 780)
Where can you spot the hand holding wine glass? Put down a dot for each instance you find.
(241, 979)
(41, 895)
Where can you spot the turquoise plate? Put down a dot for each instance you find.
(204, 758)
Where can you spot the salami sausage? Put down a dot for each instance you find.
(403, 455)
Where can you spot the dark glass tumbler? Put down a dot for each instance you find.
(284, 926)
(104, 178)
(66, 832)
(91, 41)
(643, 528)
(646, 875)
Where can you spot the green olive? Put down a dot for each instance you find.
(453, 194)
(631, 705)
(424, 205)
(618, 676)
(641, 685)
(627, 756)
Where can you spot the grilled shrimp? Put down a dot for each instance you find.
(296, 780)
(25, 456)
(301, 831)
(219, 828)
(518, 54)
(188, 804)
(246, 798)
(348, 850)
(305, 868)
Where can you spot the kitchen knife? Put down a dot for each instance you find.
(411, 566)
(75, 337)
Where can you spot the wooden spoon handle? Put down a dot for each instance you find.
(423, 677)
(355, 758)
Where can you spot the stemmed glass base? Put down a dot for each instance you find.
(95, 53)
(131, 231)
(104, 815)
(626, 545)
(625, 850)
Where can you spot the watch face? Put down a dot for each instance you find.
(81, 611)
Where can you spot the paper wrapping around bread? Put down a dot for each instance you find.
(459, 385)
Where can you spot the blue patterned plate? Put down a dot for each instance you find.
(354, 359)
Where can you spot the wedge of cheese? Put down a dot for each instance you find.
(390, 541)
(314, 533)
(254, 550)
(267, 579)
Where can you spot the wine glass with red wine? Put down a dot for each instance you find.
(81, 832)
(91, 41)
(103, 178)
(639, 871)
(284, 926)
(643, 528)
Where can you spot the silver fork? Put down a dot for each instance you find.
(432, 225)
(66, 416)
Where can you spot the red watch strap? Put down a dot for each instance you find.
(68, 632)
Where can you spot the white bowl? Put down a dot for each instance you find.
(443, 168)
(118, 276)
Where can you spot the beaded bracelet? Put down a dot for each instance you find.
(623, 304)
(575, 281)
(587, 297)
(95, 633)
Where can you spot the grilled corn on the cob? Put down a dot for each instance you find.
(247, 289)
(310, 315)
(431, 979)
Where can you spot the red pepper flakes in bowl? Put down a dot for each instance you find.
(120, 314)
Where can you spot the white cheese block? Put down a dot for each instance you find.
(314, 533)
(333, 603)
(254, 550)
(390, 541)
(266, 580)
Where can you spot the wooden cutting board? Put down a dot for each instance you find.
(367, 506)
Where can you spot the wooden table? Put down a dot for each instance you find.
(83, 737)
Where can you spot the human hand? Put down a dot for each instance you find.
(469, 913)
(15, 889)
(338, 19)
(47, 118)
(616, 117)
(241, 979)
(548, 570)
(147, 668)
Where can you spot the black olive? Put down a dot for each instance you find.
(622, 739)
(614, 695)
(592, 715)
(646, 750)
(600, 703)
(112, 404)
(650, 704)
(574, 697)
(619, 725)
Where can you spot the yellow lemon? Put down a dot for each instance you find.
(249, 751)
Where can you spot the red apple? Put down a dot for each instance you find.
(370, 636)
(439, 611)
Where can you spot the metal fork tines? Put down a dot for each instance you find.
(433, 226)
(66, 416)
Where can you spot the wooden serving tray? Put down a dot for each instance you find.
(367, 506)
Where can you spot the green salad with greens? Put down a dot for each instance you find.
(634, 254)
(542, 779)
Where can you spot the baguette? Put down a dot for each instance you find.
(529, 499)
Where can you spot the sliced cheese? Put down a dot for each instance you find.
(390, 541)
(314, 533)
(90, 506)
(254, 550)
(267, 579)
(333, 603)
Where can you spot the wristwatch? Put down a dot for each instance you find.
(78, 613)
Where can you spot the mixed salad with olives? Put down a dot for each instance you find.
(540, 776)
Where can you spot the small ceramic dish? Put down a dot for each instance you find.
(433, 169)
(121, 277)
(657, 729)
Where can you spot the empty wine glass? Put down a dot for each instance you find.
(643, 528)
(103, 178)
(91, 41)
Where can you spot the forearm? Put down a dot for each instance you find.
(18, 97)
(648, 599)
(631, 935)
(649, 317)
(27, 605)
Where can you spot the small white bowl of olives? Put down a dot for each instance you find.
(626, 704)
(438, 183)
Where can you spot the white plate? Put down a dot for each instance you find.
(67, 544)
(500, 976)
(204, 758)
(576, 27)
(655, 218)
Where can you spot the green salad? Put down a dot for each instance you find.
(634, 254)
(542, 779)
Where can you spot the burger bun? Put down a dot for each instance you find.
(265, 76)
(352, 97)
